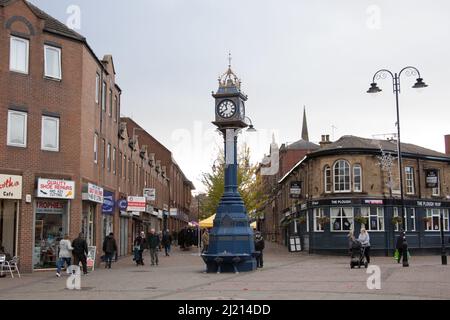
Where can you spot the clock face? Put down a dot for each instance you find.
(226, 109)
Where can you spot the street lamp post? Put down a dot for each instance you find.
(382, 74)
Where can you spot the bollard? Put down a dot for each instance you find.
(405, 254)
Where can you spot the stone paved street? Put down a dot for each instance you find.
(285, 276)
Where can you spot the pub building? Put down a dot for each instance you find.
(354, 182)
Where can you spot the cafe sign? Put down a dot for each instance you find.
(93, 193)
(10, 187)
(55, 189)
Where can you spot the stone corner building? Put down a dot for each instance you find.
(346, 180)
(66, 157)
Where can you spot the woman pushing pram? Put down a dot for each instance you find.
(359, 249)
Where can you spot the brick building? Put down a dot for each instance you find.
(344, 186)
(67, 161)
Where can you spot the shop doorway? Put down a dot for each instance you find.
(108, 226)
(8, 226)
(123, 236)
(88, 223)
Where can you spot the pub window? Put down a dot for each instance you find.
(327, 178)
(410, 219)
(17, 129)
(434, 219)
(409, 180)
(18, 57)
(341, 219)
(341, 176)
(375, 218)
(318, 214)
(357, 178)
(436, 191)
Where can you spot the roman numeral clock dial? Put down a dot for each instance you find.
(226, 109)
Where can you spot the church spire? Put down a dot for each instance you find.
(305, 135)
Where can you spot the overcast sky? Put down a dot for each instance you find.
(321, 54)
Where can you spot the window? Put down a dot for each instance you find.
(318, 214)
(108, 157)
(341, 219)
(96, 148)
(97, 87)
(116, 108)
(50, 134)
(110, 102)
(357, 178)
(120, 164)
(52, 61)
(375, 217)
(114, 161)
(18, 57)
(434, 222)
(436, 191)
(409, 180)
(341, 176)
(410, 220)
(17, 129)
(328, 181)
(104, 96)
(103, 152)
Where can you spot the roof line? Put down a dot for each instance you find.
(293, 169)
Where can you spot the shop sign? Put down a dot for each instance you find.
(136, 204)
(173, 212)
(432, 178)
(126, 214)
(56, 189)
(50, 207)
(122, 204)
(379, 202)
(150, 210)
(150, 194)
(93, 193)
(159, 214)
(108, 202)
(430, 204)
(136, 214)
(10, 187)
(296, 189)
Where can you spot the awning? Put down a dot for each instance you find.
(208, 223)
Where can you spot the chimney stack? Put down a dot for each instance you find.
(325, 140)
(447, 145)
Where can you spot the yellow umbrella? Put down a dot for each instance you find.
(207, 223)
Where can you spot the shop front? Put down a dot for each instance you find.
(125, 216)
(10, 196)
(108, 209)
(92, 197)
(137, 206)
(51, 219)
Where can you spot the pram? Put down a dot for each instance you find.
(358, 256)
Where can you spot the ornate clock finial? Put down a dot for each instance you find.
(229, 60)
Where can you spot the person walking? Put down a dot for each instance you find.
(259, 248)
(138, 248)
(401, 240)
(109, 248)
(364, 239)
(351, 241)
(65, 254)
(153, 242)
(80, 252)
(167, 242)
(205, 241)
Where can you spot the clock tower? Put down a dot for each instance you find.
(231, 243)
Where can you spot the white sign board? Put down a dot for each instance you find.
(173, 212)
(55, 189)
(295, 244)
(150, 194)
(94, 193)
(137, 204)
(10, 187)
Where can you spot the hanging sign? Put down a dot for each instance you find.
(432, 178)
(108, 202)
(93, 193)
(137, 204)
(150, 194)
(296, 189)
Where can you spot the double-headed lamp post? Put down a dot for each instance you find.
(382, 74)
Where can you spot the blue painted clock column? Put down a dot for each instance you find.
(231, 242)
